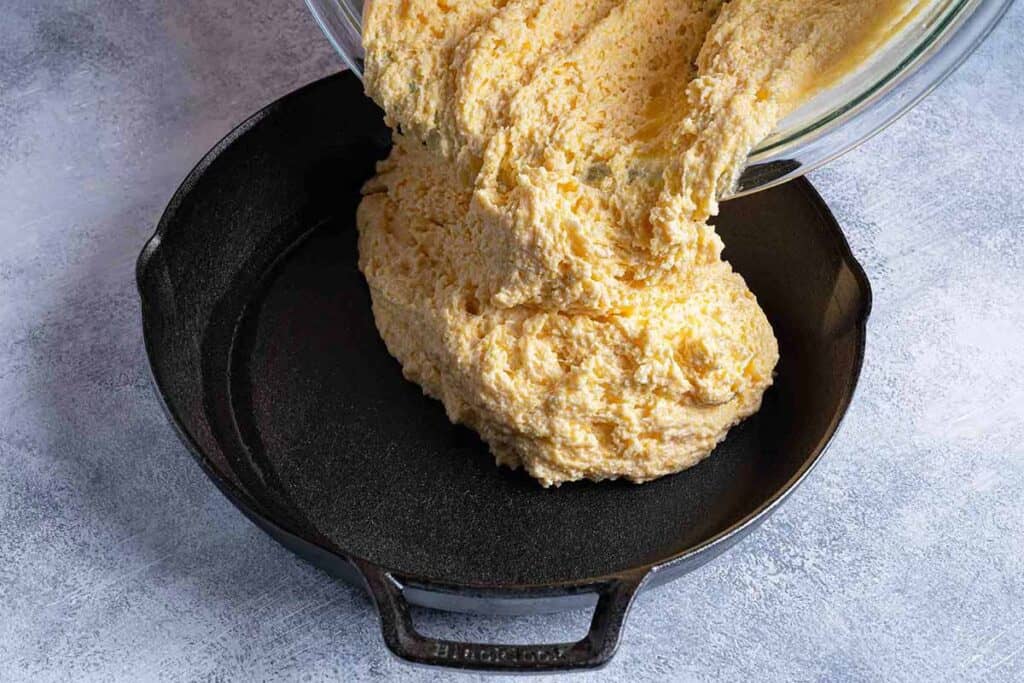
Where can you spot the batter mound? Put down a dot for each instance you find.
(537, 245)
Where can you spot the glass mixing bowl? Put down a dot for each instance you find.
(932, 44)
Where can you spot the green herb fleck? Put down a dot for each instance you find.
(597, 172)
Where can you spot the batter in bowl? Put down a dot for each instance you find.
(537, 245)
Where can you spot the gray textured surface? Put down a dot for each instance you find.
(902, 558)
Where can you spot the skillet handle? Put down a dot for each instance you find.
(615, 596)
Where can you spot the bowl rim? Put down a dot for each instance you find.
(955, 34)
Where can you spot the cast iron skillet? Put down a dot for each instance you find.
(263, 349)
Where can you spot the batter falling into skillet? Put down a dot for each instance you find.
(537, 245)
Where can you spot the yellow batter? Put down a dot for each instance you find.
(536, 245)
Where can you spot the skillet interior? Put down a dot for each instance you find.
(263, 345)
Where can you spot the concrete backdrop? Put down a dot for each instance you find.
(901, 558)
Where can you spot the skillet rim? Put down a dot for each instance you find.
(254, 511)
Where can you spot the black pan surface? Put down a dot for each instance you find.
(263, 348)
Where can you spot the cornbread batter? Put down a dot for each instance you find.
(536, 245)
